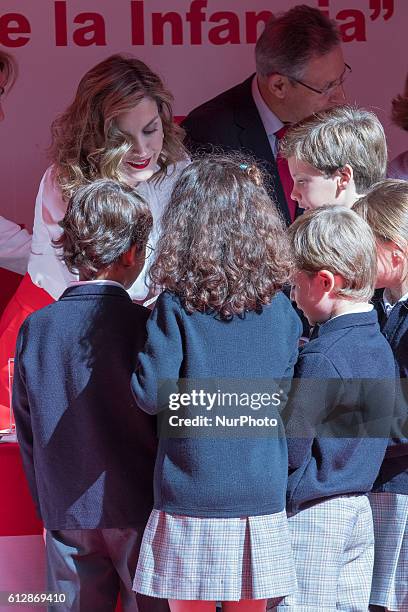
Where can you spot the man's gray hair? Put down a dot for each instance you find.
(291, 39)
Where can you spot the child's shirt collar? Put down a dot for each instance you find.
(364, 307)
(96, 282)
(327, 325)
(387, 304)
(350, 319)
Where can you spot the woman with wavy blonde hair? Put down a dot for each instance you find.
(119, 126)
(398, 168)
(91, 139)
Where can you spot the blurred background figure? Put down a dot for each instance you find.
(398, 168)
(15, 242)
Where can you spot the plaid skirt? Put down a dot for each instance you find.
(224, 559)
(390, 579)
(333, 546)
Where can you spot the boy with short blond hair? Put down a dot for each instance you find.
(335, 156)
(331, 465)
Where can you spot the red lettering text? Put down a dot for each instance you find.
(226, 33)
(354, 28)
(158, 22)
(93, 34)
(252, 24)
(137, 19)
(61, 27)
(196, 17)
(12, 25)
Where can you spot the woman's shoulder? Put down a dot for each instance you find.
(49, 192)
(49, 179)
(50, 173)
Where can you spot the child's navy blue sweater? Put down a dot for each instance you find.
(350, 346)
(393, 476)
(88, 450)
(215, 477)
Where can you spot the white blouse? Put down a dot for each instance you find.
(47, 270)
(14, 246)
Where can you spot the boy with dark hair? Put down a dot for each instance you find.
(88, 451)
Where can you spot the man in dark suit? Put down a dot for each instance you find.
(300, 69)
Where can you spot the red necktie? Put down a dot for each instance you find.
(285, 176)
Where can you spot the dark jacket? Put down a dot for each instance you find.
(231, 122)
(338, 423)
(88, 450)
(393, 476)
(203, 474)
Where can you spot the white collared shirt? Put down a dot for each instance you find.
(388, 305)
(270, 121)
(362, 307)
(45, 267)
(102, 281)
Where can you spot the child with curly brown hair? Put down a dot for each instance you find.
(218, 530)
(88, 451)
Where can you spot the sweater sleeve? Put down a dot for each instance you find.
(307, 405)
(287, 380)
(159, 362)
(398, 442)
(22, 415)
